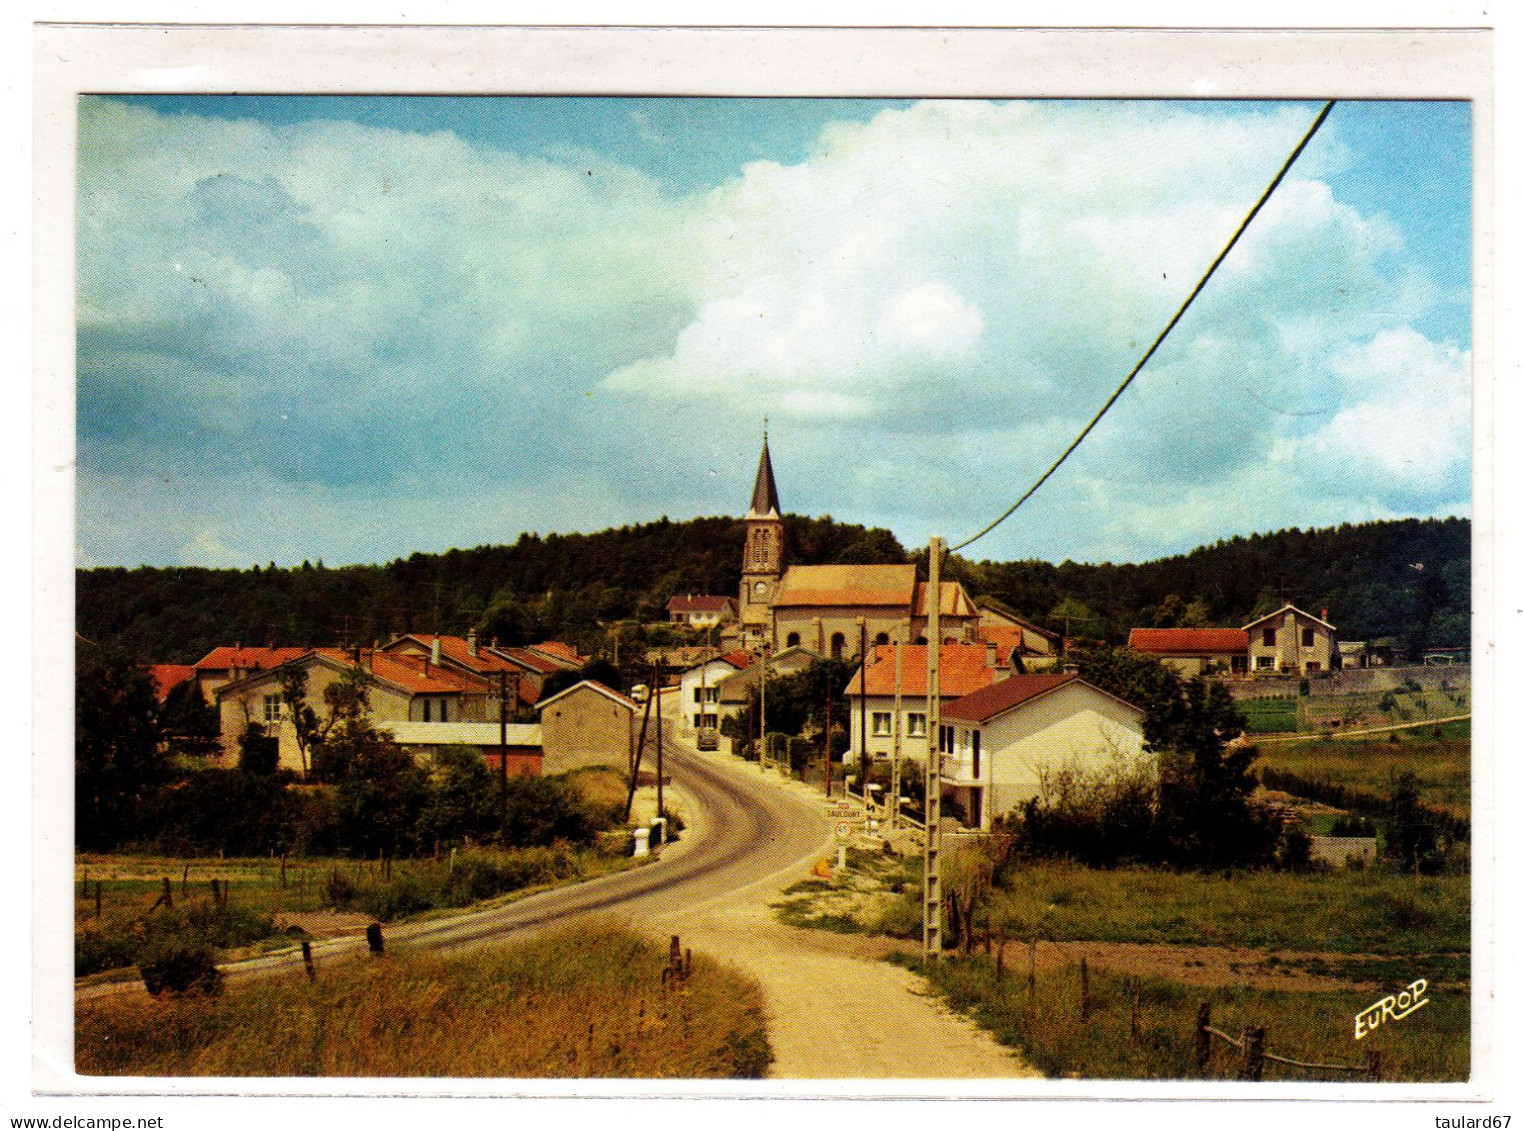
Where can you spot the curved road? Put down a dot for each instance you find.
(748, 830)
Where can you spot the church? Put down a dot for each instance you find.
(833, 609)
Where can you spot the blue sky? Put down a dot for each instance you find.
(352, 328)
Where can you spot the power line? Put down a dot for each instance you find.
(1121, 388)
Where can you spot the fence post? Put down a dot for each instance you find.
(374, 939)
(1084, 1002)
(1203, 1036)
(185, 881)
(306, 960)
(216, 892)
(1253, 1053)
(169, 896)
(1372, 1065)
(674, 956)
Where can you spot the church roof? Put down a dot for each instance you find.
(764, 494)
(848, 585)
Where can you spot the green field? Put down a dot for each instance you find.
(1441, 766)
(586, 1002)
(1271, 716)
(1050, 1030)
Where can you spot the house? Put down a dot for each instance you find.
(1194, 651)
(964, 668)
(403, 688)
(1290, 641)
(464, 654)
(524, 748)
(701, 612)
(1036, 642)
(224, 664)
(740, 689)
(698, 688)
(829, 608)
(997, 743)
(588, 724)
(167, 677)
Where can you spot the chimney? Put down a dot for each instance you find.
(470, 643)
(1324, 614)
(434, 651)
(991, 654)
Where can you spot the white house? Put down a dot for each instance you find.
(998, 742)
(964, 668)
(698, 689)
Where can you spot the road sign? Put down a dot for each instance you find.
(843, 813)
(843, 830)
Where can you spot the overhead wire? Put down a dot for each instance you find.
(1178, 314)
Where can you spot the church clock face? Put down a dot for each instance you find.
(759, 590)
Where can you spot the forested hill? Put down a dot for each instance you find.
(566, 586)
(556, 585)
(1408, 579)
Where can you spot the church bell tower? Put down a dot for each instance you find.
(762, 569)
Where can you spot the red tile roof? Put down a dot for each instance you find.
(167, 677)
(997, 698)
(411, 673)
(558, 651)
(964, 668)
(456, 649)
(738, 659)
(225, 658)
(528, 660)
(1005, 638)
(849, 585)
(700, 604)
(1187, 641)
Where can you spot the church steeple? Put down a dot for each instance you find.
(762, 568)
(764, 494)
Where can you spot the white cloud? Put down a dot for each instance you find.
(929, 306)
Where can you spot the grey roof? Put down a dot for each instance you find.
(764, 494)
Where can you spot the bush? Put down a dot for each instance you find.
(1099, 818)
(152, 938)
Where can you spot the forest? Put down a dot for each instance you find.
(1408, 580)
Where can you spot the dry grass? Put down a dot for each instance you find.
(585, 1002)
(1050, 1029)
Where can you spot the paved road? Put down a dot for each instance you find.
(747, 831)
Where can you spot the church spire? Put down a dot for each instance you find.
(764, 494)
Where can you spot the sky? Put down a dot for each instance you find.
(356, 328)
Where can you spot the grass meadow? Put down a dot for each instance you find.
(588, 1001)
(1050, 1028)
(1441, 765)
(117, 925)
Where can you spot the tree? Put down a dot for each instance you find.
(1411, 838)
(1204, 782)
(309, 729)
(344, 735)
(118, 760)
(462, 799)
(258, 753)
(188, 725)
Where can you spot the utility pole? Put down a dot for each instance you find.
(502, 750)
(762, 756)
(862, 712)
(660, 766)
(894, 785)
(931, 916)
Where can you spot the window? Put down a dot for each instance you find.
(272, 708)
(1312, 666)
(916, 727)
(1264, 663)
(976, 735)
(1308, 638)
(444, 710)
(697, 695)
(945, 740)
(428, 707)
(1269, 638)
(793, 640)
(881, 639)
(837, 645)
(883, 723)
